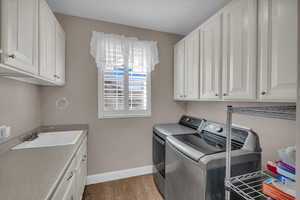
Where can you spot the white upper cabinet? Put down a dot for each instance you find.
(32, 46)
(192, 65)
(47, 42)
(247, 52)
(60, 54)
(186, 68)
(179, 70)
(278, 50)
(240, 50)
(210, 58)
(20, 34)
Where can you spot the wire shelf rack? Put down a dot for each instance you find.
(249, 186)
(279, 112)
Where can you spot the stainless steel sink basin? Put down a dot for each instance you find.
(51, 139)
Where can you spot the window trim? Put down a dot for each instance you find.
(122, 114)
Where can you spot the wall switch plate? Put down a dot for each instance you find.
(5, 131)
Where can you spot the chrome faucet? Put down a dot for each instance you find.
(31, 137)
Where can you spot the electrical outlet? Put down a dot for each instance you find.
(4, 131)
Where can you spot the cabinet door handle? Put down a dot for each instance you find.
(56, 76)
(225, 94)
(71, 175)
(216, 95)
(84, 158)
(263, 93)
(12, 56)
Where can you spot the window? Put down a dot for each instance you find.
(124, 75)
(124, 93)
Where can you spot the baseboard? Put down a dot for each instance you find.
(115, 175)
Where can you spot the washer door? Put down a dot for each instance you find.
(185, 180)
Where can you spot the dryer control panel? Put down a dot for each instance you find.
(191, 122)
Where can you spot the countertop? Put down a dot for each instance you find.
(33, 174)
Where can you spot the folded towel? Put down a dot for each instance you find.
(286, 173)
(284, 165)
(278, 190)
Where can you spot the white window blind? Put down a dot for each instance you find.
(124, 67)
(114, 89)
(137, 89)
(124, 93)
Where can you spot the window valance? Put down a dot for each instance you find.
(111, 50)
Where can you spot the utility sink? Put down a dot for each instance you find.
(51, 139)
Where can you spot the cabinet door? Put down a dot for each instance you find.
(278, 50)
(192, 67)
(210, 59)
(67, 187)
(239, 50)
(179, 70)
(20, 34)
(70, 190)
(60, 54)
(82, 170)
(47, 41)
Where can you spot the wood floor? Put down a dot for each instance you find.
(136, 188)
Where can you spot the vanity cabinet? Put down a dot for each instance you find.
(278, 50)
(186, 68)
(239, 50)
(32, 43)
(210, 62)
(19, 42)
(72, 185)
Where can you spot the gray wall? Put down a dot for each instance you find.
(273, 133)
(19, 106)
(114, 144)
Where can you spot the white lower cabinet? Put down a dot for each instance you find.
(72, 185)
(70, 193)
(278, 50)
(66, 188)
(81, 170)
(240, 50)
(210, 62)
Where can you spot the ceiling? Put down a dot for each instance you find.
(173, 16)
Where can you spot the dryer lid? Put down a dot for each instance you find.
(164, 130)
(196, 146)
